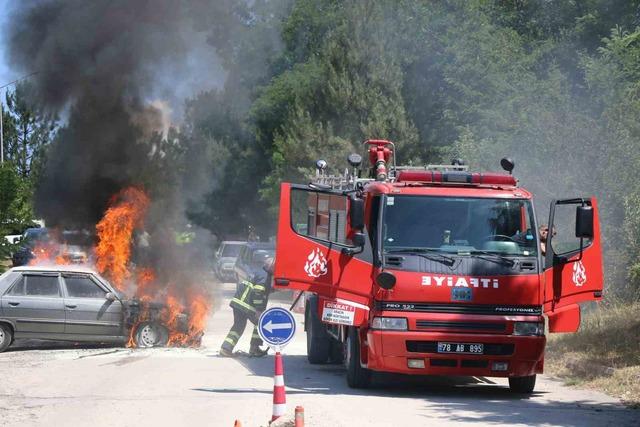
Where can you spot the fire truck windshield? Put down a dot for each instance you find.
(459, 225)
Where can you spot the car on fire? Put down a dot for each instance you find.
(225, 260)
(73, 303)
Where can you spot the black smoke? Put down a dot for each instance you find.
(100, 63)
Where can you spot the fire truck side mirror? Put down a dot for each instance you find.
(358, 239)
(584, 222)
(356, 213)
(386, 280)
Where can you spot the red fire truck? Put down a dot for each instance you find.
(434, 270)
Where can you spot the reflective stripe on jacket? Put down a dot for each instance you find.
(250, 298)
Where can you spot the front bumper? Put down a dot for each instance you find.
(389, 351)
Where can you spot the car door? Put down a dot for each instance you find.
(313, 251)
(88, 310)
(35, 304)
(573, 264)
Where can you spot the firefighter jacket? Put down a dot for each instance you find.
(251, 297)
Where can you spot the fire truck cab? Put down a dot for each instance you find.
(434, 270)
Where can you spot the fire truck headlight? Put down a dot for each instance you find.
(389, 323)
(528, 328)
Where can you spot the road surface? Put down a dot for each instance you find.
(64, 385)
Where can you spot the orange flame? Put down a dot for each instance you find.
(48, 253)
(115, 232)
(113, 252)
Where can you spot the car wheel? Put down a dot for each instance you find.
(318, 341)
(150, 334)
(522, 385)
(6, 336)
(357, 376)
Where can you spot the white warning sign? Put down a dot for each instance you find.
(335, 312)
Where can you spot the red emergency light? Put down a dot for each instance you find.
(456, 177)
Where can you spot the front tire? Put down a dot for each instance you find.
(522, 385)
(357, 376)
(6, 336)
(318, 341)
(150, 334)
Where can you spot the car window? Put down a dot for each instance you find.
(243, 253)
(18, 288)
(41, 286)
(83, 287)
(260, 255)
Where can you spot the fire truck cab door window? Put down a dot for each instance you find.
(35, 305)
(313, 231)
(573, 268)
(321, 216)
(88, 312)
(564, 240)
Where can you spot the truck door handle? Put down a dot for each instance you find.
(71, 306)
(14, 304)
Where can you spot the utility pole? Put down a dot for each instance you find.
(2, 114)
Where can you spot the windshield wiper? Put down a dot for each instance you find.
(477, 253)
(427, 253)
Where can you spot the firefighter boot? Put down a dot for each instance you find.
(225, 353)
(256, 351)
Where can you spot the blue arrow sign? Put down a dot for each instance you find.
(276, 326)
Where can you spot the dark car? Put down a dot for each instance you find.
(71, 303)
(30, 239)
(225, 260)
(252, 258)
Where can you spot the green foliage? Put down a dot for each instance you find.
(553, 84)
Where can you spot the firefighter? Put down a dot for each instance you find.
(248, 303)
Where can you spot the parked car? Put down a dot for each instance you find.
(71, 303)
(252, 257)
(225, 260)
(28, 242)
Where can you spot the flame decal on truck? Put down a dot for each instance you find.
(316, 264)
(579, 274)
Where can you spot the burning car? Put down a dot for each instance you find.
(73, 303)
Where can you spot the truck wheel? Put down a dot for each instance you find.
(318, 344)
(522, 385)
(6, 336)
(357, 376)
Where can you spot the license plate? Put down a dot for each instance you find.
(462, 348)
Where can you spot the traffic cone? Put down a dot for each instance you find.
(299, 419)
(279, 396)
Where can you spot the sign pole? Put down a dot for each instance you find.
(276, 327)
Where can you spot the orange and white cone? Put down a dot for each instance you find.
(279, 396)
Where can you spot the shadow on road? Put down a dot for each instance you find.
(456, 399)
(30, 345)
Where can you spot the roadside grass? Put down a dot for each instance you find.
(604, 354)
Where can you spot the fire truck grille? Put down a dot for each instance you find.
(490, 349)
(533, 310)
(466, 326)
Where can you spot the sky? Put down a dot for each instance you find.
(6, 73)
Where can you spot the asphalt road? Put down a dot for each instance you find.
(65, 385)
